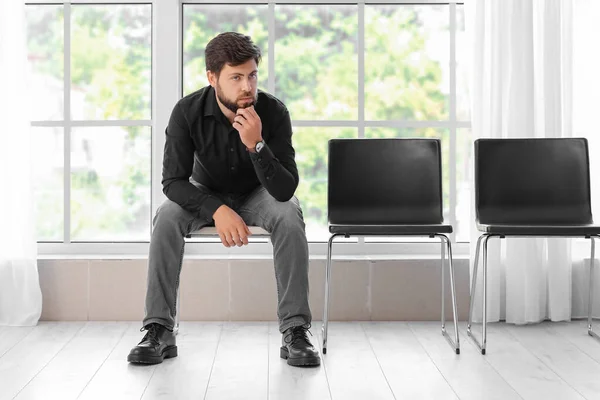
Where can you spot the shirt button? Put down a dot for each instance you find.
(232, 168)
(231, 149)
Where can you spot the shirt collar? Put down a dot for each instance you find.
(210, 106)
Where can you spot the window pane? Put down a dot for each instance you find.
(201, 23)
(437, 133)
(110, 183)
(48, 155)
(316, 65)
(406, 62)
(311, 159)
(463, 111)
(464, 164)
(45, 52)
(111, 62)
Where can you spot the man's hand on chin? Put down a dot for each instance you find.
(248, 124)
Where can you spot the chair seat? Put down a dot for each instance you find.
(540, 230)
(384, 230)
(212, 231)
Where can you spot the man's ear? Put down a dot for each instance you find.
(212, 78)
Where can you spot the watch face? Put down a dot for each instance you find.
(259, 146)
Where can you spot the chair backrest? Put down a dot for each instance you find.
(532, 181)
(384, 181)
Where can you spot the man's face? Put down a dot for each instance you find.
(236, 87)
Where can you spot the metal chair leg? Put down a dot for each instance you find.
(473, 285)
(482, 345)
(591, 289)
(456, 343)
(327, 291)
(442, 266)
(485, 262)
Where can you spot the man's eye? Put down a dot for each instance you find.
(236, 78)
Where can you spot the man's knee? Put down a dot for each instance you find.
(170, 215)
(288, 214)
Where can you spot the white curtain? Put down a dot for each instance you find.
(586, 97)
(20, 295)
(522, 85)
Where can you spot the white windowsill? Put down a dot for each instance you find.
(254, 251)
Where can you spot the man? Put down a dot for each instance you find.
(229, 160)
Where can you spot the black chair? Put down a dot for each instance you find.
(387, 187)
(531, 188)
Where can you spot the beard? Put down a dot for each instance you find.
(232, 105)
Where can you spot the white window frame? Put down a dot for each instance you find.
(167, 89)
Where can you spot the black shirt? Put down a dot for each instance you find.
(202, 144)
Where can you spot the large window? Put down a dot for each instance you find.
(343, 70)
(104, 90)
(91, 96)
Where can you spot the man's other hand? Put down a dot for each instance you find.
(232, 229)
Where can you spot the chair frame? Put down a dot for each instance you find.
(486, 237)
(505, 229)
(444, 240)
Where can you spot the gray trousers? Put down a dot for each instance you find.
(283, 220)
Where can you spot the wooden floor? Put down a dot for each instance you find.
(374, 360)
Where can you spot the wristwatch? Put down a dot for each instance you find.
(259, 146)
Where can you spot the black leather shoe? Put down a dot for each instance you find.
(297, 349)
(157, 344)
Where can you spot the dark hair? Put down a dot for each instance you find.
(230, 48)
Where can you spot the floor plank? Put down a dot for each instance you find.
(522, 370)
(408, 368)
(469, 374)
(352, 369)
(26, 359)
(118, 379)
(12, 335)
(564, 358)
(87, 351)
(188, 375)
(241, 363)
(576, 333)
